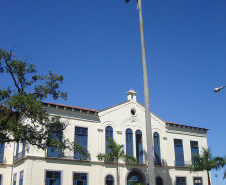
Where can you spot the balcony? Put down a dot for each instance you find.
(18, 156)
(182, 164)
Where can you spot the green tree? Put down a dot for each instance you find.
(23, 99)
(207, 162)
(116, 153)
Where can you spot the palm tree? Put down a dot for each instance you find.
(116, 153)
(206, 162)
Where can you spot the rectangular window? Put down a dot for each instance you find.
(0, 179)
(53, 178)
(194, 149)
(53, 150)
(80, 179)
(81, 138)
(2, 149)
(181, 181)
(14, 179)
(179, 153)
(24, 148)
(197, 181)
(21, 178)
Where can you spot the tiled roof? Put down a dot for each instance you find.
(71, 107)
(186, 126)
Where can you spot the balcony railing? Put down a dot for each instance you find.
(67, 158)
(18, 156)
(185, 164)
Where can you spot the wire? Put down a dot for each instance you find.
(43, 21)
(23, 15)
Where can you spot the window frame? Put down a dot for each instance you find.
(132, 147)
(159, 162)
(52, 170)
(14, 178)
(106, 178)
(175, 152)
(87, 176)
(140, 160)
(2, 153)
(79, 126)
(56, 155)
(22, 171)
(197, 177)
(106, 141)
(180, 177)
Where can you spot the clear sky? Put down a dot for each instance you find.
(95, 45)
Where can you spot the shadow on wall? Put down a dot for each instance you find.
(162, 172)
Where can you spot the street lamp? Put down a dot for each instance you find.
(216, 90)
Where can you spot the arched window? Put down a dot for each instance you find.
(108, 134)
(157, 153)
(159, 181)
(109, 180)
(139, 147)
(135, 177)
(129, 142)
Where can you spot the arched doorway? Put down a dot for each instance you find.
(135, 176)
(159, 181)
(109, 180)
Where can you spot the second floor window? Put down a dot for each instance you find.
(157, 153)
(2, 149)
(54, 150)
(139, 147)
(129, 142)
(81, 138)
(194, 149)
(179, 153)
(108, 134)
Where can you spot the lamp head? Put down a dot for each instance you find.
(216, 90)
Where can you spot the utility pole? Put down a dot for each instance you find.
(150, 153)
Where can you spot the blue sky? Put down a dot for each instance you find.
(95, 45)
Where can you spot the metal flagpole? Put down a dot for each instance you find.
(150, 153)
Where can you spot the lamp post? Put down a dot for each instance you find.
(216, 90)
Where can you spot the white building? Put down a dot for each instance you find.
(174, 144)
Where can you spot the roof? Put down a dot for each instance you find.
(96, 111)
(71, 107)
(185, 126)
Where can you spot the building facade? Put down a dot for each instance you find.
(174, 144)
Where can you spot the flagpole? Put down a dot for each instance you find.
(150, 153)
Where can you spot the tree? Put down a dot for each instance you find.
(23, 99)
(206, 161)
(116, 153)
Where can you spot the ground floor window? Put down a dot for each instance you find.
(14, 179)
(0, 179)
(53, 178)
(80, 179)
(197, 181)
(159, 181)
(109, 180)
(134, 176)
(21, 178)
(181, 181)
